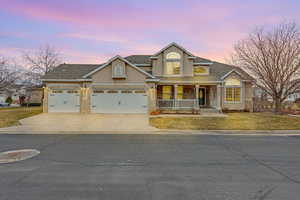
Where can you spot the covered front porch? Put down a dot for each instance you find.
(188, 98)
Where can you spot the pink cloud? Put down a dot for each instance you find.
(208, 29)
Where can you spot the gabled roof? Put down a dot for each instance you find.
(113, 59)
(220, 70)
(201, 60)
(139, 59)
(146, 59)
(176, 45)
(70, 71)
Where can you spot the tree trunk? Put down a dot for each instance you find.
(277, 106)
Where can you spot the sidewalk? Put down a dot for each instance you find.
(167, 132)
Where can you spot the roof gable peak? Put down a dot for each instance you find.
(176, 45)
(113, 59)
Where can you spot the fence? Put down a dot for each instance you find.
(268, 106)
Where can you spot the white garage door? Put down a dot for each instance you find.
(119, 101)
(64, 101)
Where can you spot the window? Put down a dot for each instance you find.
(233, 90)
(126, 91)
(112, 91)
(233, 94)
(98, 91)
(200, 70)
(180, 92)
(57, 91)
(172, 64)
(72, 91)
(140, 92)
(119, 71)
(173, 55)
(167, 92)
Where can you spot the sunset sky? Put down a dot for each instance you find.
(91, 31)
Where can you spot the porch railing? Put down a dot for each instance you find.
(178, 104)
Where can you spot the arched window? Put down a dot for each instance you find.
(173, 64)
(232, 90)
(173, 55)
(232, 82)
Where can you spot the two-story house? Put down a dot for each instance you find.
(173, 80)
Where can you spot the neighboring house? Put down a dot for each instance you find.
(294, 97)
(34, 96)
(171, 80)
(15, 92)
(262, 95)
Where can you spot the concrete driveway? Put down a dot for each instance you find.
(63, 122)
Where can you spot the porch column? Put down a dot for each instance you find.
(45, 99)
(175, 95)
(175, 91)
(219, 97)
(197, 97)
(152, 97)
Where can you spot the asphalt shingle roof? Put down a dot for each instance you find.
(77, 71)
(219, 70)
(139, 59)
(70, 71)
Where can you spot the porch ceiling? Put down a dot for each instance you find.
(196, 79)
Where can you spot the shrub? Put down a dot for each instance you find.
(156, 112)
(8, 100)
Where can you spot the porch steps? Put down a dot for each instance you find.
(179, 111)
(209, 110)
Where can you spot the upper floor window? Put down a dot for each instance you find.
(173, 55)
(173, 64)
(119, 71)
(201, 70)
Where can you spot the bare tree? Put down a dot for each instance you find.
(9, 74)
(42, 61)
(273, 57)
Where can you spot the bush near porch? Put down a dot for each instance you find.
(234, 121)
(11, 116)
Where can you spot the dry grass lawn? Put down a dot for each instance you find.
(11, 116)
(234, 121)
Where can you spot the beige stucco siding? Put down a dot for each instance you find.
(249, 96)
(157, 68)
(185, 63)
(146, 69)
(188, 67)
(105, 76)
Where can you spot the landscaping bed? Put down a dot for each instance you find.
(234, 121)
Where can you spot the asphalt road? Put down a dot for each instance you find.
(163, 167)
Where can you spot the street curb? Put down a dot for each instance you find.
(163, 132)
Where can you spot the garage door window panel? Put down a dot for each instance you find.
(140, 92)
(112, 91)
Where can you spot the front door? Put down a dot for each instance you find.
(202, 96)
